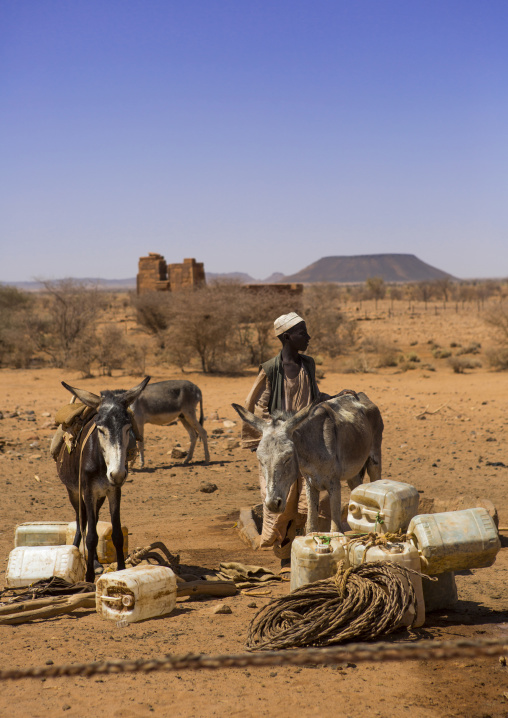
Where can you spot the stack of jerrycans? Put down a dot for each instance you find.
(444, 542)
(385, 507)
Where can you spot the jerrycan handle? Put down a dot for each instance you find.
(125, 600)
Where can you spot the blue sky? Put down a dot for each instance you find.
(255, 136)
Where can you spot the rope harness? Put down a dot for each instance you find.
(356, 653)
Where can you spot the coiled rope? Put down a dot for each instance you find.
(359, 603)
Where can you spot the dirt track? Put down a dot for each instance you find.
(452, 451)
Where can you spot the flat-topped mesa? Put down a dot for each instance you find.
(155, 275)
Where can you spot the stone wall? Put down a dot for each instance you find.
(154, 275)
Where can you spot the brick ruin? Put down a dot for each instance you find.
(154, 275)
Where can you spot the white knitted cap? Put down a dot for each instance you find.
(285, 322)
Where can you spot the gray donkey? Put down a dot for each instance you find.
(335, 440)
(165, 402)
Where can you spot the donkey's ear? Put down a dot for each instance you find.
(250, 418)
(132, 394)
(297, 419)
(84, 396)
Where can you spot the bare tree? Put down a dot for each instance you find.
(71, 313)
(375, 288)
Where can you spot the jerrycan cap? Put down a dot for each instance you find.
(322, 544)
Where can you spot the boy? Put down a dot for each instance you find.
(288, 383)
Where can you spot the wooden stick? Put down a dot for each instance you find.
(431, 412)
(56, 608)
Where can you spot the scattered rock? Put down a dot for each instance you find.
(217, 431)
(221, 608)
(208, 488)
(45, 413)
(229, 424)
(1, 415)
(48, 425)
(49, 662)
(231, 444)
(177, 453)
(252, 604)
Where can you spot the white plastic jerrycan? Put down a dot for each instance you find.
(455, 540)
(106, 552)
(28, 564)
(383, 506)
(402, 553)
(41, 533)
(316, 556)
(136, 593)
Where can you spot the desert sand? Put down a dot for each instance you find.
(445, 433)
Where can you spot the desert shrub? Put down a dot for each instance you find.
(406, 365)
(357, 365)
(429, 367)
(472, 348)
(441, 353)
(412, 357)
(83, 353)
(387, 353)
(112, 349)
(387, 357)
(153, 314)
(459, 365)
(454, 345)
(65, 321)
(332, 333)
(497, 358)
(219, 325)
(135, 359)
(16, 344)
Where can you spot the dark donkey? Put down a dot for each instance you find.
(97, 467)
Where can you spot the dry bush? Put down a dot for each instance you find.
(153, 314)
(331, 332)
(472, 348)
(387, 353)
(112, 349)
(438, 353)
(83, 352)
(497, 358)
(205, 324)
(497, 318)
(225, 326)
(459, 365)
(16, 345)
(412, 357)
(357, 365)
(65, 320)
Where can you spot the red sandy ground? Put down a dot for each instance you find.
(443, 455)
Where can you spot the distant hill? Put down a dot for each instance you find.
(119, 284)
(243, 278)
(390, 267)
